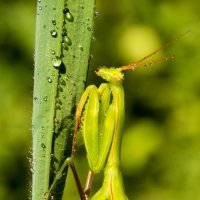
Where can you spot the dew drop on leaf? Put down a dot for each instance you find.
(49, 79)
(53, 52)
(56, 62)
(64, 45)
(45, 98)
(43, 145)
(36, 99)
(53, 21)
(96, 14)
(53, 33)
(52, 197)
(67, 40)
(68, 15)
(80, 47)
(65, 11)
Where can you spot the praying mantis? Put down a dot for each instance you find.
(100, 119)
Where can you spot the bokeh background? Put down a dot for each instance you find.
(161, 143)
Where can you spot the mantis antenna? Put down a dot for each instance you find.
(139, 63)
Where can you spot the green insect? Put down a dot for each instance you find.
(100, 119)
(101, 115)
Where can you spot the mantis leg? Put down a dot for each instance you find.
(79, 112)
(88, 184)
(95, 112)
(113, 188)
(67, 162)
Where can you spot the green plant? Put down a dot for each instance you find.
(62, 50)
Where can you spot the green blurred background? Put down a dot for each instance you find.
(161, 143)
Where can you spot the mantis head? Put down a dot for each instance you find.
(112, 75)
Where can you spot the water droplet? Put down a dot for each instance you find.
(45, 98)
(49, 79)
(56, 62)
(52, 156)
(56, 121)
(80, 47)
(63, 96)
(91, 56)
(88, 28)
(32, 170)
(64, 33)
(36, 99)
(39, 1)
(53, 33)
(64, 45)
(52, 197)
(53, 21)
(65, 10)
(62, 82)
(40, 7)
(67, 40)
(94, 39)
(96, 14)
(68, 15)
(53, 52)
(43, 145)
(64, 173)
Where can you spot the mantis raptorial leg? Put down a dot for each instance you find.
(100, 118)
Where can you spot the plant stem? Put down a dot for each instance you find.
(62, 49)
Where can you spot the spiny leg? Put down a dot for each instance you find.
(88, 184)
(67, 162)
(78, 183)
(79, 112)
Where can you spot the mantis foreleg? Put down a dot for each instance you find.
(113, 188)
(94, 112)
(102, 124)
